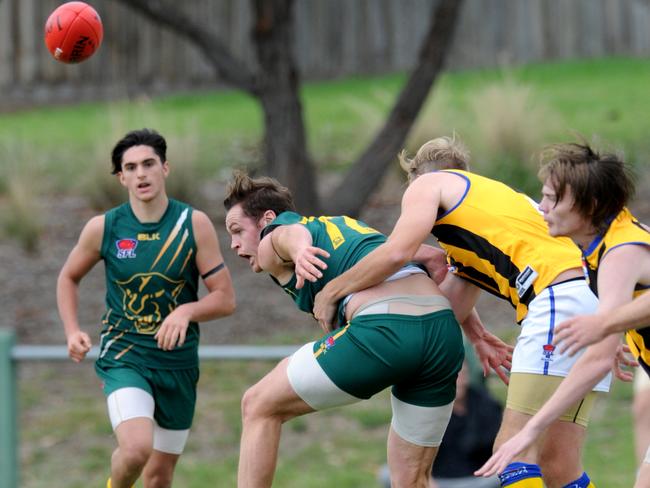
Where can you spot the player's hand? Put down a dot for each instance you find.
(622, 360)
(325, 310)
(578, 332)
(173, 330)
(507, 452)
(308, 265)
(494, 354)
(79, 344)
(434, 260)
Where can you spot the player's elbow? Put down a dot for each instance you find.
(67, 279)
(231, 305)
(227, 303)
(397, 256)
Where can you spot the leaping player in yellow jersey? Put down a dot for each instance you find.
(585, 195)
(495, 239)
(154, 250)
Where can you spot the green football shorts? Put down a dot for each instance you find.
(173, 391)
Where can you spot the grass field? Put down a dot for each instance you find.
(66, 438)
(504, 116)
(496, 111)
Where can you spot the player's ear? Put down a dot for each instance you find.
(268, 217)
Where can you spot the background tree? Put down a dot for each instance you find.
(276, 82)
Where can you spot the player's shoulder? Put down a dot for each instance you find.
(200, 217)
(95, 224)
(93, 232)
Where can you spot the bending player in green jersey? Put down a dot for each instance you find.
(496, 240)
(400, 333)
(154, 249)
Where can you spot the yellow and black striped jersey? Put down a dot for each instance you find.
(624, 230)
(496, 238)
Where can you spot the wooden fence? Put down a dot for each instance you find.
(333, 38)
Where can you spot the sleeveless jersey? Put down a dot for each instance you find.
(624, 229)
(496, 238)
(150, 270)
(346, 239)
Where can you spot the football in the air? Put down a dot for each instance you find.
(73, 32)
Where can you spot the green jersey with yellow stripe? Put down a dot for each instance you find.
(624, 230)
(346, 240)
(496, 238)
(150, 270)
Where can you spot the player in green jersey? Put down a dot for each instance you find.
(400, 333)
(154, 249)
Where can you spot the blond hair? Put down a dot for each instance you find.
(440, 153)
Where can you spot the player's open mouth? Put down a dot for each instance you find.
(143, 185)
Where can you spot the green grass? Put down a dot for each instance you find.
(66, 439)
(601, 97)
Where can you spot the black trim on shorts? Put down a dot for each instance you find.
(569, 280)
(575, 417)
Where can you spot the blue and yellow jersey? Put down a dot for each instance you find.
(624, 230)
(150, 270)
(346, 240)
(496, 238)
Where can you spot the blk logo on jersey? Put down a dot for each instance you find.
(126, 248)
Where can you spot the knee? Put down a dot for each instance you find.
(252, 406)
(402, 479)
(160, 477)
(135, 454)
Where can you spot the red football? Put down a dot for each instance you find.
(73, 32)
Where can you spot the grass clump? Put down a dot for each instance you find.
(21, 217)
(512, 123)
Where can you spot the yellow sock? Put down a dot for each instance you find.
(527, 483)
(108, 483)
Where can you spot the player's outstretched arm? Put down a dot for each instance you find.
(290, 247)
(419, 209)
(84, 255)
(583, 330)
(220, 299)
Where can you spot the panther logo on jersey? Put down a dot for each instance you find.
(144, 301)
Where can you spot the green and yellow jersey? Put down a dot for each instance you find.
(150, 270)
(346, 240)
(496, 238)
(624, 230)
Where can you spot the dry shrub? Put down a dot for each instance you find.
(512, 124)
(22, 183)
(20, 216)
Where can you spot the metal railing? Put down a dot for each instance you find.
(10, 354)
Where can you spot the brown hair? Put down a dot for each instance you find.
(601, 184)
(440, 153)
(257, 195)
